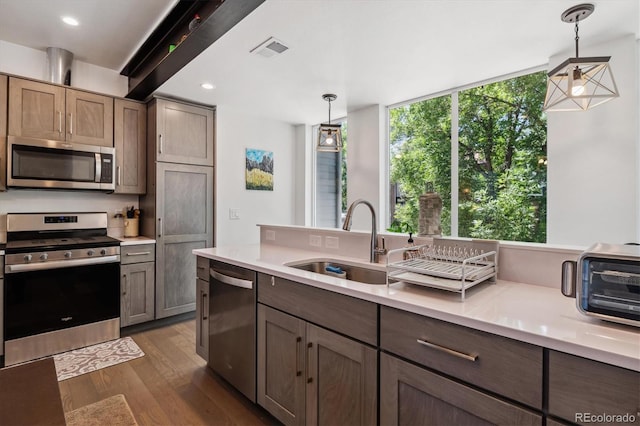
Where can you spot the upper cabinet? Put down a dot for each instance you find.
(184, 132)
(47, 111)
(130, 138)
(3, 132)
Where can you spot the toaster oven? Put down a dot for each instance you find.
(606, 282)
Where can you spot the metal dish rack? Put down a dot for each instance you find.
(447, 264)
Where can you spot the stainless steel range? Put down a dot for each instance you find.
(62, 284)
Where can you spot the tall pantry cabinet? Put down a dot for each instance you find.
(178, 205)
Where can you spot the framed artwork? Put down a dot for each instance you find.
(259, 170)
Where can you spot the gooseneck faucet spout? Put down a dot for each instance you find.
(375, 250)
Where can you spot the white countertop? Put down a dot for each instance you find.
(529, 313)
(132, 241)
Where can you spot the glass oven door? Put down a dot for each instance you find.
(53, 299)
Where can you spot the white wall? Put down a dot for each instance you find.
(593, 159)
(366, 163)
(303, 174)
(32, 63)
(236, 132)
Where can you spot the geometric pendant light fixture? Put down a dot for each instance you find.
(329, 135)
(579, 83)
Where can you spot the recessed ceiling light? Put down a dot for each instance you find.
(207, 86)
(70, 21)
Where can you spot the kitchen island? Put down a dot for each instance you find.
(529, 313)
(510, 353)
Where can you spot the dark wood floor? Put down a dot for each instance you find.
(170, 385)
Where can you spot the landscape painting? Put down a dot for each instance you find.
(259, 170)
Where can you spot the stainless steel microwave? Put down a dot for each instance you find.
(37, 163)
(606, 282)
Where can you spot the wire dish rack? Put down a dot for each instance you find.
(447, 264)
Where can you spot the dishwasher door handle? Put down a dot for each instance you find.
(225, 279)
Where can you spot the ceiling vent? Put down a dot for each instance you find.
(269, 48)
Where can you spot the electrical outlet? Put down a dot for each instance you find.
(315, 240)
(270, 235)
(332, 242)
(234, 214)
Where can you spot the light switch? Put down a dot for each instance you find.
(234, 214)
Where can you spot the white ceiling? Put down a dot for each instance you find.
(366, 51)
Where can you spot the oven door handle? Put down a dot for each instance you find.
(57, 264)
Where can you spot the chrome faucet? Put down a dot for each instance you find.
(375, 250)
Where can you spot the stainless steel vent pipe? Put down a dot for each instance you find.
(59, 65)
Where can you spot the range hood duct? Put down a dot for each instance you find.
(59, 65)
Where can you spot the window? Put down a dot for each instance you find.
(497, 181)
(331, 185)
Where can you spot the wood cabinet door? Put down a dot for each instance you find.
(137, 288)
(89, 118)
(341, 380)
(36, 110)
(184, 133)
(281, 365)
(184, 202)
(202, 319)
(410, 395)
(581, 389)
(4, 93)
(130, 140)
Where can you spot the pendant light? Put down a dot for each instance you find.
(579, 83)
(329, 135)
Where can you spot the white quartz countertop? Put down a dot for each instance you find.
(133, 241)
(529, 313)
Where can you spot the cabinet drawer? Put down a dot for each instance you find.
(202, 268)
(505, 366)
(579, 386)
(410, 395)
(347, 315)
(137, 253)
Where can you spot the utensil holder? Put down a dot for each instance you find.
(131, 227)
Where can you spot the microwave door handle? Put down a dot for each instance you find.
(98, 167)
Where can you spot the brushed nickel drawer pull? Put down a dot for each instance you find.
(298, 370)
(309, 346)
(462, 355)
(140, 253)
(204, 306)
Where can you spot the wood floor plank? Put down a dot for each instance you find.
(170, 385)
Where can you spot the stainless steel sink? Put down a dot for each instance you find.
(354, 272)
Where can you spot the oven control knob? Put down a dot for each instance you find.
(91, 253)
(44, 256)
(103, 252)
(27, 257)
(67, 254)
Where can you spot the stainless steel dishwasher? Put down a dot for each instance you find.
(232, 326)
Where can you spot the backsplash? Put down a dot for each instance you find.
(528, 263)
(32, 201)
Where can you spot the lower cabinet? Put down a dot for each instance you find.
(308, 375)
(584, 391)
(137, 284)
(202, 307)
(137, 293)
(411, 395)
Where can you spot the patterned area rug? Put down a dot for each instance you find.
(92, 358)
(113, 411)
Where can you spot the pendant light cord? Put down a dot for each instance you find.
(329, 111)
(577, 38)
